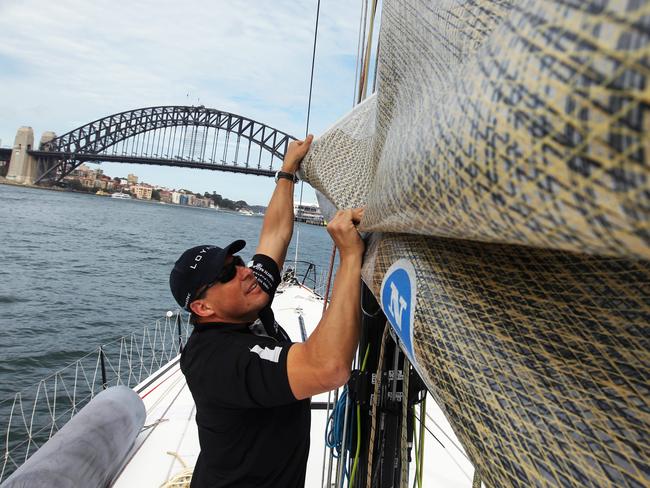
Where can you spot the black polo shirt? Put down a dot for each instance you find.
(252, 430)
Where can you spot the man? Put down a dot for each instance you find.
(251, 385)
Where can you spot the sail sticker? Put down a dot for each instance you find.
(398, 299)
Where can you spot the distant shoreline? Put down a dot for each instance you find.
(5, 181)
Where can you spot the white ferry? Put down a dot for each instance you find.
(308, 213)
(120, 195)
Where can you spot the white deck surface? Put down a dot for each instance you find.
(172, 428)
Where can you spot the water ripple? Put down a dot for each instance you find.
(72, 280)
(12, 299)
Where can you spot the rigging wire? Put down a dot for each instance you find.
(374, 76)
(311, 86)
(360, 40)
(458, 448)
(362, 53)
(363, 83)
(313, 62)
(446, 450)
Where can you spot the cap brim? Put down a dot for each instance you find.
(234, 247)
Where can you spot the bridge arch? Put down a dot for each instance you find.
(92, 141)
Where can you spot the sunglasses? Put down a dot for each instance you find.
(228, 272)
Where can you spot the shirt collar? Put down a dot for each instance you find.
(223, 326)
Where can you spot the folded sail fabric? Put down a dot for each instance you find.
(505, 157)
(517, 122)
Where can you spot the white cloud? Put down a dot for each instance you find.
(65, 63)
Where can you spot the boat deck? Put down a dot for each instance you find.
(168, 444)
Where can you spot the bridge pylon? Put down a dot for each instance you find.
(23, 167)
(44, 165)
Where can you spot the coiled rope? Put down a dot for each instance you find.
(181, 479)
(334, 429)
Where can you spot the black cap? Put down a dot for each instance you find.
(198, 266)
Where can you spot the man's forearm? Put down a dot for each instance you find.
(277, 227)
(337, 336)
(278, 218)
(323, 361)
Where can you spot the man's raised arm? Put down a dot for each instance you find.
(277, 228)
(323, 361)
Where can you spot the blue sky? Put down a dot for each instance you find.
(66, 63)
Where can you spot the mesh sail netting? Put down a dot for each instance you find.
(505, 155)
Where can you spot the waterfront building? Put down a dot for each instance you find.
(82, 171)
(142, 192)
(103, 182)
(166, 196)
(88, 180)
(202, 202)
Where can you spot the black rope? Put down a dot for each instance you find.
(101, 359)
(432, 434)
(180, 335)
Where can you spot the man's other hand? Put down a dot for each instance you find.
(295, 152)
(342, 229)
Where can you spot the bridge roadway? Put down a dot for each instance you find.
(110, 158)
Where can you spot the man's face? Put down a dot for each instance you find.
(238, 300)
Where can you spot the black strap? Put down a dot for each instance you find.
(271, 327)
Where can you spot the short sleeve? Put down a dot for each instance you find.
(266, 273)
(251, 375)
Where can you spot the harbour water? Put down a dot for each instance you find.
(78, 270)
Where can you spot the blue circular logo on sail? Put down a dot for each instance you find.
(398, 299)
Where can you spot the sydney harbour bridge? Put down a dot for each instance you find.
(181, 136)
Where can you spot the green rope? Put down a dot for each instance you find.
(417, 457)
(423, 410)
(356, 454)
